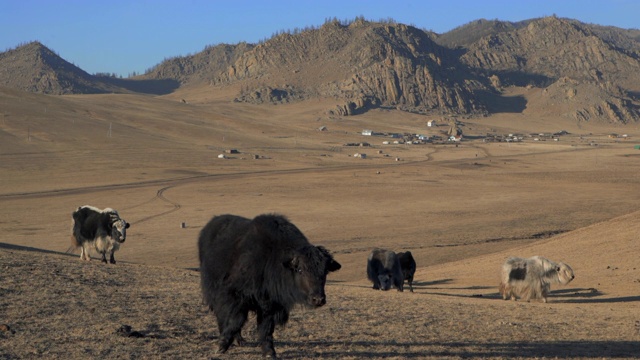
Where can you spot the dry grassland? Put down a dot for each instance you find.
(461, 210)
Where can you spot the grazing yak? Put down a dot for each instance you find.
(104, 229)
(408, 265)
(384, 270)
(532, 278)
(264, 265)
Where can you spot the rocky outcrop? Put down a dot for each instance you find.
(590, 101)
(198, 67)
(363, 65)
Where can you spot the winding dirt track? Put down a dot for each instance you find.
(169, 183)
(172, 182)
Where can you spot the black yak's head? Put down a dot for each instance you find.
(386, 281)
(310, 266)
(119, 230)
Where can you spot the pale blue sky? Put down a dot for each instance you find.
(123, 36)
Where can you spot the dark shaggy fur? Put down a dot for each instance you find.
(265, 265)
(104, 229)
(384, 270)
(408, 265)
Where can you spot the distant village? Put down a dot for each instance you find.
(454, 135)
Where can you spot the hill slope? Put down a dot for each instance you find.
(35, 68)
(129, 310)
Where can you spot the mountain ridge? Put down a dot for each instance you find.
(365, 65)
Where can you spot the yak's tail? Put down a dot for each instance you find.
(75, 233)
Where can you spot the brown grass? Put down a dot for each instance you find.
(461, 210)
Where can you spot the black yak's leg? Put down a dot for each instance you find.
(399, 283)
(112, 259)
(376, 285)
(230, 322)
(104, 257)
(239, 339)
(410, 280)
(266, 326)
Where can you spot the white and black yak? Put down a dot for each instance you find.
(102, 229)
(264, 265)
(408, 265)
(384, 270)
(532, 278)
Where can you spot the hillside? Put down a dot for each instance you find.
(201, 67)
(366, 64)
(460, 207)
(131, 310)
(35, 68)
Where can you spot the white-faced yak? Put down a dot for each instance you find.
(102, 229)
(532, 278)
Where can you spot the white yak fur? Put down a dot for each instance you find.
(532, 278)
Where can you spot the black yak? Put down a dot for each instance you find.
(265, 265)
(384, 271)
(408, 265)
(104, 229)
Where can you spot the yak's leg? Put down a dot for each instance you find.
(230, 326)
(411, 283)
(400, 284)
(545, 292)
(104, 257)
(84, 253)
(239, 339)
(376, 285)
(112, 260)
(266, 326)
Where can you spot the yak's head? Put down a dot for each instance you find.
(386, 281)
(119, 230)
(565, 273)
(310, 266)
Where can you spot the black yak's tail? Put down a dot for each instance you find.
(75, 230)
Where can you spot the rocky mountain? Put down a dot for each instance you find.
(35, 68)
(465, 35)
(202, 66)
(592, 70)
(554, 53)
(364, 64)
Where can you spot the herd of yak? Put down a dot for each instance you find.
(266, 265)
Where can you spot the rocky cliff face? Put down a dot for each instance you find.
(363, 64)
(553, 48)
(565, 57)
(199, 67)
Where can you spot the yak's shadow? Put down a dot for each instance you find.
(573, 295)
(29, 248)
(460, 349)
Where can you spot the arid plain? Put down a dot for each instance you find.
(460, 208)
